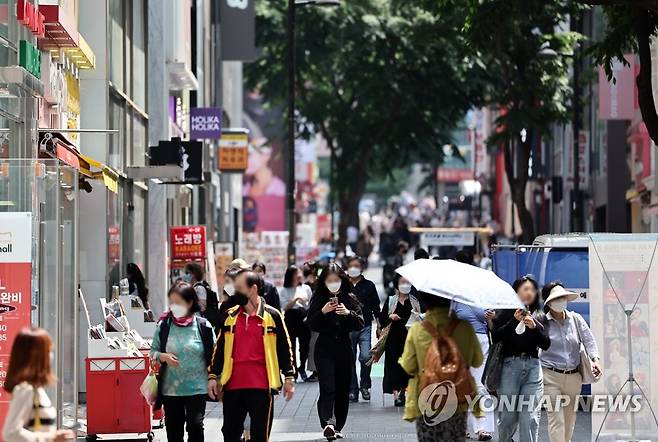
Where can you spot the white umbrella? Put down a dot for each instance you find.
(460, 282)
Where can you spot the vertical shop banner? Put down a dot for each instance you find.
(205, 123)
(187, 243)
(617, 96)
(15, 288)
(238, 29)
(623, 276)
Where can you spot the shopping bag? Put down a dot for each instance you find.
(149, 388)
(585, 367)
(377, 350)
(493, 368)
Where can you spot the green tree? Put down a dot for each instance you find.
(631, 24)
(383, 82)
(525, 49)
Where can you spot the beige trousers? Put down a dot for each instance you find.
(561, 421)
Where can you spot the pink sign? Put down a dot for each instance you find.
(617, 99)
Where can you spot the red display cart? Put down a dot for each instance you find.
(114, 402)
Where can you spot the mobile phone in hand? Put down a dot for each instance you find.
(334, 299)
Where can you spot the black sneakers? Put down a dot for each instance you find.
(329, 432)
(365, 394)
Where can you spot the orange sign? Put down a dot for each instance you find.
(233, 152)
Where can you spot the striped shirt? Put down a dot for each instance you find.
(31, 417)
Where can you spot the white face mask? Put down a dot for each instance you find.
(334, 287)
(559, 305)
(354, 272)
(229, 289)
(178, 310)
(405, 289)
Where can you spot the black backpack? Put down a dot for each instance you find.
(212, 313)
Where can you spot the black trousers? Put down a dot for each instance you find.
(298, 330)
(181, 411)
(334, 361)
(237, 404)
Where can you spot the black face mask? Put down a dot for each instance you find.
(240, 299)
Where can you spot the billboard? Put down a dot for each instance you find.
(187, 243)
(15, 288)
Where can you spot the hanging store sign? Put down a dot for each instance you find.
(186, 154)
(15, 288)
(187, 242)
(428, 239)
(29, 58)
(205, 123)
(233, 151)
(28, 15)
(617, 98)
(238, 30)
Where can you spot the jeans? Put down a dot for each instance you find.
(182, 411)
(487, 422)
(519, 398)
(361, 339)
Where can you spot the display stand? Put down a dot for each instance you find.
(114, 402)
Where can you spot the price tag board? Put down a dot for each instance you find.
(15, 288)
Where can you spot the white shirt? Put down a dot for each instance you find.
(25, 406)
(286, 294)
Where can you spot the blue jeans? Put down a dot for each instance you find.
(519, 396)
(362, 340)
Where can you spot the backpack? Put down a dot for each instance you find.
(444, 362)
(212, 313)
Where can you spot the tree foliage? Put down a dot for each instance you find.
(525, 48)
(385, 82)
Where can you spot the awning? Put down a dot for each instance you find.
(56, 145)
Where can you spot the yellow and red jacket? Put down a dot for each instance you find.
(278, 351)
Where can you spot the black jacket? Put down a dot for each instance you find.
(271, 295)
(332, 324)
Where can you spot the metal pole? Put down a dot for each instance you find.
(577, 203)
(290, 185)
(332, 159)
(631, 376)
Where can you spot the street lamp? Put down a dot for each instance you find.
(290, 184)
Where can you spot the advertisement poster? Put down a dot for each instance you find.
(623, 272)
(223, 257)
(15, 287)
(233, 151)
(187, 243)
(264, 187)
(270, 248)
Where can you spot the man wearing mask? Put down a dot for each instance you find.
(247, 364)
(366, 292)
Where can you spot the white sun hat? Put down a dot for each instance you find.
(559, 292)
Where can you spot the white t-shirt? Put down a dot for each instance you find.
(286, 294)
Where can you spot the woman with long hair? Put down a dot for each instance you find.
(522, 335)
(137, 284)
(334, 312)
(183, 344)
(31, 416)
(295, 297)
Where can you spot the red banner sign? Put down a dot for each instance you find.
(30, 17)
(15, 288)
(187, 242)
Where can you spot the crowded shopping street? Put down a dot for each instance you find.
(326, 220)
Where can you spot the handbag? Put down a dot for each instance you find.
(585, 366)
(493, 368)
(149, 387)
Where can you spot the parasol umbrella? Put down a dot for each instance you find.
(461, 282)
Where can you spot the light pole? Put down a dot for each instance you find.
(291, 181)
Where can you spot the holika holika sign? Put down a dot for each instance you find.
(205, 123)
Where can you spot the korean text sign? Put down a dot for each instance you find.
(15, 288)
(188, 242)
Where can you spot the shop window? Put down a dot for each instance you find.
(138, 54)
(117, 43)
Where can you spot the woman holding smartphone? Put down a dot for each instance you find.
(334, 312)
(522, 336)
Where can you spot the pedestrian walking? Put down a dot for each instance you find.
(183, 343)
(522, 335)
(412, 361)
(366, 292)
(195, 274)
(396, 312)
(295, 297)
(561, 364)
(478, 427)
(334, 313)
(31, 415)
(310, 270)
(270, 293)
(251, 354)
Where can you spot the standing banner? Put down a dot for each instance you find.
(623, 278)
(15, 288)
